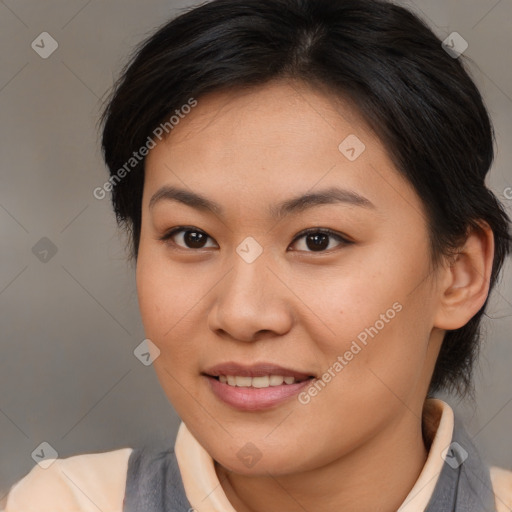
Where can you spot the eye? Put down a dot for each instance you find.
(189, 237)
(316, 239)
(319, 240)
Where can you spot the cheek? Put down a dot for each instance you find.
(165, 302)
(375, 316)
(354, 300)
(163, 310)
(166, 294)
(154, 297)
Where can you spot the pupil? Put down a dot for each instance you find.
(319, 241)
(194, 239)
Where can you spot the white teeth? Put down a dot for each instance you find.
(256, 382)
(276, 380)
(243, 382)
(261, 382)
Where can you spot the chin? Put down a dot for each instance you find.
(253, 461)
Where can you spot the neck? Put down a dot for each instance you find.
(377, 475)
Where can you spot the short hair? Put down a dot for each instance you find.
(416, 96)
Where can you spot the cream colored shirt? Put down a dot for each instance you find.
(92, 482)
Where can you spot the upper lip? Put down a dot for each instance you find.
(254, 370)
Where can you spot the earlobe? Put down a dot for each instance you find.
(465, 280)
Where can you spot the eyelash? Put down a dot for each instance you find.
(166, 238)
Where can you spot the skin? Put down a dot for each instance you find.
(357, 445)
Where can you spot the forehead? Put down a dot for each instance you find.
(282, 138)
(279, 113)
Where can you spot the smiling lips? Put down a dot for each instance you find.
(254, 387)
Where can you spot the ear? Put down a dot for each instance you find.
(465, 280)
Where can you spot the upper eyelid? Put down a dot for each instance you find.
(343, 239)
(327, 231)
(180, 229)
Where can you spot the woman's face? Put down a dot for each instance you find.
(242, 289)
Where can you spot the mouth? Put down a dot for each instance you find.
(265, 381)
(255, 387)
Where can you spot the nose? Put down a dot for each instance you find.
(251, 303)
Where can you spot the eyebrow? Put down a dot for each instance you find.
(300, 203)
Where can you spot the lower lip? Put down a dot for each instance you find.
(255, 399)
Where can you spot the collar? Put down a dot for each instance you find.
(206, 494)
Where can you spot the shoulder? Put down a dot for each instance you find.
(79, 483)
(502, 485)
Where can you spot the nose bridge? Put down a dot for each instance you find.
(248, 299)
(247, 284)
(249, 275)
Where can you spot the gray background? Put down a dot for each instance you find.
(69, 325)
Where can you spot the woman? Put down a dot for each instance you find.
(303, 184)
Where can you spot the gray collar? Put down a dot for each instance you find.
(464, 484)
(154, 481)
